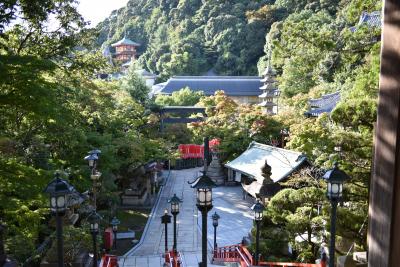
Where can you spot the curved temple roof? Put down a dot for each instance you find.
(324, 104)
(231, 85)
(282, 161)
(125, 41)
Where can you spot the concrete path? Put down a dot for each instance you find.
(235, 222)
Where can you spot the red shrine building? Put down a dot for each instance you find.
(125, 49)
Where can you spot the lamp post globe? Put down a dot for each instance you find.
(91, 159)
(59, 191)
(94, 220)
(204, 185)
(335, 179)
(114, 224)
(174, 201)
(258, 210)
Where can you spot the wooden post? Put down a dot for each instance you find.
(384, 208)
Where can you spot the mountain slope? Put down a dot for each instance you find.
(189, 37)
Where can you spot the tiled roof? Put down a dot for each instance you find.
(231, 85)
(268, 79)
(268, 86)
(125, 41)
(324, 104)
(282, 161)
(269, 94)
(372, 19)
(268, 71)
(267, 104)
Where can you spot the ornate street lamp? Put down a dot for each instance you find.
(204, 186)
(215, 217)
(114, 223)
(335, 179)
(59, 191)
(258, 209)
(174, 210)
(92, 159)
(166, 219)
(94, 220)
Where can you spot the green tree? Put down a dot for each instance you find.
(135, 85)
(183, 97)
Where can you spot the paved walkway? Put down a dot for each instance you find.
(235, 222)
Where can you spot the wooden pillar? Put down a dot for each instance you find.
(384, 208)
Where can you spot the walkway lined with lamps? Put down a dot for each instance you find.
(236, 221)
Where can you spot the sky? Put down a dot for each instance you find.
(97, 10)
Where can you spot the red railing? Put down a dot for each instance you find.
(173, 259)
(192, 151)
(109, 261)
(241, 255)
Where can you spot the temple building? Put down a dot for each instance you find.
(261, 167)
(270, 92)
(324, 104)
(242, 89)
(125, 50)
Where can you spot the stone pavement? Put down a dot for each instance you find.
(235, 222)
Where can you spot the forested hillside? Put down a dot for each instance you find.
(192, 36)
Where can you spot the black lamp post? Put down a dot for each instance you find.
(204, 186)
(166, 219)
(258, 209)
(94, 220)
(174, 210)
(59, 190)
(114, 223)
(3, 255)
(335, 179)
(92, 159)
(215, 217)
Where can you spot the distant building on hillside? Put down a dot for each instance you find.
(125, 49)
(373, 19)
(242, 89)
(324, 104)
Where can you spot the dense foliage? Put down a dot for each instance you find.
(314, 52)
(234, 124)
(190, 37)
(53, 113)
